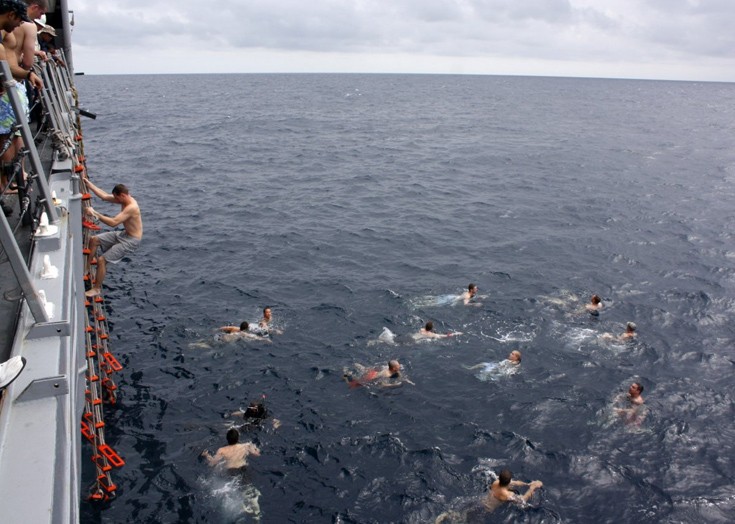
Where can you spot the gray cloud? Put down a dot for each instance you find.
(566, 30)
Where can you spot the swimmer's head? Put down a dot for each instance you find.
(233, 436)
(267, 313)
(394, 366)
(515, 356)
(504, 477)
(596, 299)
(630, 327)
(472, 288)
(244, 326)
(429, 326)
(255, 410)
(635, 389)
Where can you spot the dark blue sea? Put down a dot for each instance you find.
(350, 203)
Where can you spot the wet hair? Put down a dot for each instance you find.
(471, 287)
(255, 410)
(520, 357)
(266, 308)
(429, 326)
(596, 299)
(394, 366)
(244, 326)
(630, 326)
(504, 477)
(233, 436)
(640, 387)
(120, 189)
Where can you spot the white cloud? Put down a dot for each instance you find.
(685, 39)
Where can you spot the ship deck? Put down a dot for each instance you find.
(10, 291)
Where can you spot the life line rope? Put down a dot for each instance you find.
(101, 389)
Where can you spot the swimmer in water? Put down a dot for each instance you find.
(628, 335)
(595, 305)
(635, 412)
(500, 491)
(497, 370)
(267, 317)
(514, 359)
(469, 295)
(265, 323)
(242, 332)
(254, 415)
(232, 457)
(385, 376)
(427, 332)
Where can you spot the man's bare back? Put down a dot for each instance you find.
(233, 455)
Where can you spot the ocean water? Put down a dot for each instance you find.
(350, 203)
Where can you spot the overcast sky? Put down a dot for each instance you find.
(661, 39)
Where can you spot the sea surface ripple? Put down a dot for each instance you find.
(348, 203)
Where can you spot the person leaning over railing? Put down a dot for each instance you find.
(12, 15)
(48, 45)
(20, 46)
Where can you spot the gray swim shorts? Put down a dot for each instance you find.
(116, 244)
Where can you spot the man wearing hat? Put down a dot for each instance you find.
(46, 37)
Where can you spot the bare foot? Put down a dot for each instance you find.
(94, 292)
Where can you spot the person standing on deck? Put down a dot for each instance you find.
(114, 244)
(12, 15)
(21, 52)
(27, 33)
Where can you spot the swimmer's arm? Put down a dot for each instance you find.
(533, 487)
(518, 483)
(229, 329)
(212, 460)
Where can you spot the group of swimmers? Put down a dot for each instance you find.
(247, 330)
(233, 457)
